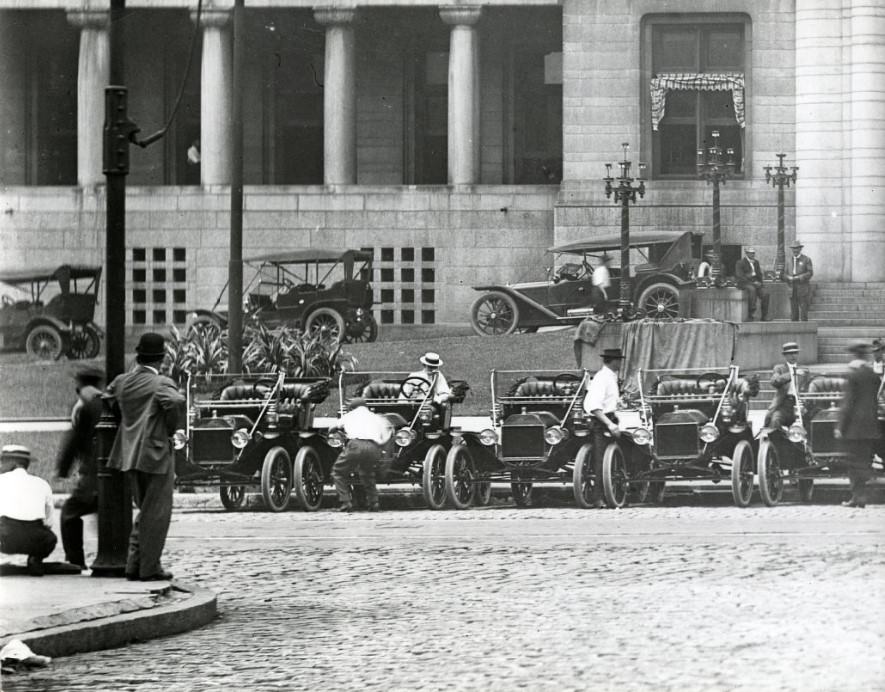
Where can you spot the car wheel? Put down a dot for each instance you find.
(368, 334)
(584, 477)
(494, 314)
(84, 343)
(742, 474)
(326, 320)
(615, 484)
(806, 489)
(308, 479)
(460, 489)
(276, 479)
(233, 497)
(771, 485)
(522, 494)
(433, 477)
(659, 300)
(44, 342)
(483, 494)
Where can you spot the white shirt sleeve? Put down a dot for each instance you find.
(595, 394)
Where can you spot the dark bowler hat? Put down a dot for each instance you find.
(151, 345)
(612, 353)
(796, 244)
(89, 374)
(859, 348)
(18, 453)
(878, 345)
(790, 347)
(355, 402)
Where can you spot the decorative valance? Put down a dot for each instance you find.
(702, 81)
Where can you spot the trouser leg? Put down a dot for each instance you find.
(31, 538)
(341, 470)
(750, 290)
(153, 494)
(71, 524)
(794, 305)
(600, 442)
(763, 302)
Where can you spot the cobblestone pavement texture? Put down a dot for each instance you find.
(555, 598)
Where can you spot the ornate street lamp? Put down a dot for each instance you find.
(714, 170)
(624, 193)
(780, 178)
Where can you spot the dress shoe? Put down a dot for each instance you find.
(35, 566)
(854, 503)
(162, 575)
(132, 576)
(345, 508)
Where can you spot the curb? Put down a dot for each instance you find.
(120, 630)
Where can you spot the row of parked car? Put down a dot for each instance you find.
(252, 430)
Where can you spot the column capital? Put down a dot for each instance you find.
(334, 15)
(213, 18)
(460, 14)
(89, 19)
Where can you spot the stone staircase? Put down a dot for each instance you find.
(846, 312)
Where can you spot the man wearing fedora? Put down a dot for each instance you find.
(25, 510)
(367, 433)
(600, 403)
(857, 426)
(782, 411)
(77, 446)
(430, 373)
(797, 274)
(749, 277)
(149, 409)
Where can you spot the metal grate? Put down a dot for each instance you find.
(405, 282)
(158, 287)
(522, 441)
(823, 439)
(677, 440)
(212, 445)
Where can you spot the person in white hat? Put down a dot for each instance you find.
(782, 411)
(431, 374)
(25, 510)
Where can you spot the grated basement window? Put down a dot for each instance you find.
(158, 285)
(405, 285)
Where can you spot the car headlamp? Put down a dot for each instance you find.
(179, 440)
(336, 439)
(642, 436)
(488, 437)
(404, 437)
(240, 438)
(709, 433)
(796, 433)
(555, 435)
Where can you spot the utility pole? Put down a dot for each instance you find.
(235, 262)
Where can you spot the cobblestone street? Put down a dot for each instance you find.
(663, 598)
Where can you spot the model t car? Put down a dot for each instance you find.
(52, 313)
(307, 289)
(567, 295)
(248, 430)
(694, 426)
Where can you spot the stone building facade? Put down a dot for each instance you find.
(458, 141)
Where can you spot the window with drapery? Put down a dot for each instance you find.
(697, 85)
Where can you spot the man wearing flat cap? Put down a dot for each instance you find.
(25, 510)
(785, 378)
(601, 403)
(149, 409)
(77, 446)
(367, 433)
(797, 274)
(749, 277)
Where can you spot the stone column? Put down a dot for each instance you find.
(215, 99)
(93, 73)
(13, 114)
(339, 96)
(463, 93)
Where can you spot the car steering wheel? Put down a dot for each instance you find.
(713, 378)
(561, 383)
(7, 300)
(418, 388)
(268, 382)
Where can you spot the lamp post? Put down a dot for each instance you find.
(714, 170)
(624, 193)
(780, 178)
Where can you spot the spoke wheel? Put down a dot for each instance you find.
(85, 342)
(771, 484)
(233, 497)
(276, 479)
(328, 321)
(460, 489)
(615, 484)
(369, 332)
(494, 314)
(584, 480)
(659, 300)
(742, 474)
(44, 342)
(483, 494)
(806, 489)
(522, 494)
(308, 479)
(433, 477)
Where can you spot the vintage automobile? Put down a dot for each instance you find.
(422, 431)
(808, 449)
(56, 317)
(567, 296)
(248, 430)
(694, 426)
(541, 434)
(307, 289)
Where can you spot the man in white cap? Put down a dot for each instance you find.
(430, 373)
(797, 274)
(25, 510)
(782, 411)
(367, 433)
(749, 277)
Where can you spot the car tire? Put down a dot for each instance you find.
(233, 497)
(328, 319)
(460, 488)
(308, 479)
(433, 477)
(369, 333)
(659, 300)
(85, 342)
(44, 342)
(615, 484)
(583, 477)
(742, 474)
(771, 484)
(494, 314)
(276, 479)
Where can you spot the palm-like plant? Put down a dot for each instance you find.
(203, 350)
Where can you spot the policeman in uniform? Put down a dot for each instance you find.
(600, 404)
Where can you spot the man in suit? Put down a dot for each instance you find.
(749, 277)
(858, 427)
(797, 274)
(782, 411)
(149, 408)
(77, 447)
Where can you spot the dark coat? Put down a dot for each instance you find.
(804, 272)
(77, 443)
(742, 272)
(780, 382)
(150, 409)
(857, 412)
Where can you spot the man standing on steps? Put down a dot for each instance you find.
(798, 276)
(749, 277)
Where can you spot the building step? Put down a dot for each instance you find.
(833, 302)
(849, 312)
(848, 285)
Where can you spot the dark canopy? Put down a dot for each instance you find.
(312, 255)
(612, 241)
(65, 271)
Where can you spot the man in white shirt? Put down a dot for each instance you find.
(601, 281)
(705, 268)
(601, 403)
(367, 433)
(430, 373)
(25, 510)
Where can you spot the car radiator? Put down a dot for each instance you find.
(677, 440)
(212, 446)
(522, 442)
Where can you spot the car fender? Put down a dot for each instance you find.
(526, 305)
(63, 327)
(660, 277)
